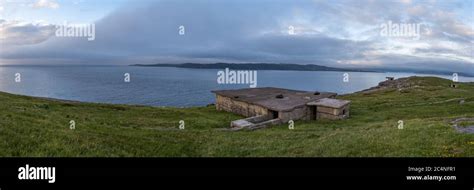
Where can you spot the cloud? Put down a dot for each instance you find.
(406, 1)
(21, 33)
(335, 33)
(52, 4)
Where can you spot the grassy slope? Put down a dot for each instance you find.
(39, 127)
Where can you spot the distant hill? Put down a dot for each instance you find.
(419, 71)
(254, 66)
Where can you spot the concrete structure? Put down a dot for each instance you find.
(331, 108)
(268, 106)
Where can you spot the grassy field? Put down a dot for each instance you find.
(40, 127)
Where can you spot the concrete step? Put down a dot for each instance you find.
(253, 123)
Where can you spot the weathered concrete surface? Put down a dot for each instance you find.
(239, 107)
(302, 113)
(270, 106)
(329, 102)
(241, 123)
(253, 123)
(267, 97)
(328, 108)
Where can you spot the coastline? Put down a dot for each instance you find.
(370, 89)
(40, 127)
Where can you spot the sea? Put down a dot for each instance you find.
(168, 86)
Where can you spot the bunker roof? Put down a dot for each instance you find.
(277, 99)
(329, 102)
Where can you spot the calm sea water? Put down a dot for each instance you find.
(159, 86)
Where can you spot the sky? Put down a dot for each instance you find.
(338, 33)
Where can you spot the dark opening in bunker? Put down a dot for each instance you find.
(273, 113)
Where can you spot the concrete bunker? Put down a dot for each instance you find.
(270, 106)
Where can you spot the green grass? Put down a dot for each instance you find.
(39, 127)
(466, 124)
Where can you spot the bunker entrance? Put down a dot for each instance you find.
(273, 113)
(313, 113)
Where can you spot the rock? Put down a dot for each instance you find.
(465, 129)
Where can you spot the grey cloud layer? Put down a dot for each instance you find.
(17, 33)
(254, 31)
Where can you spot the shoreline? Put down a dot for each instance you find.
(42, 127)
(99, 103)
(370, 89)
